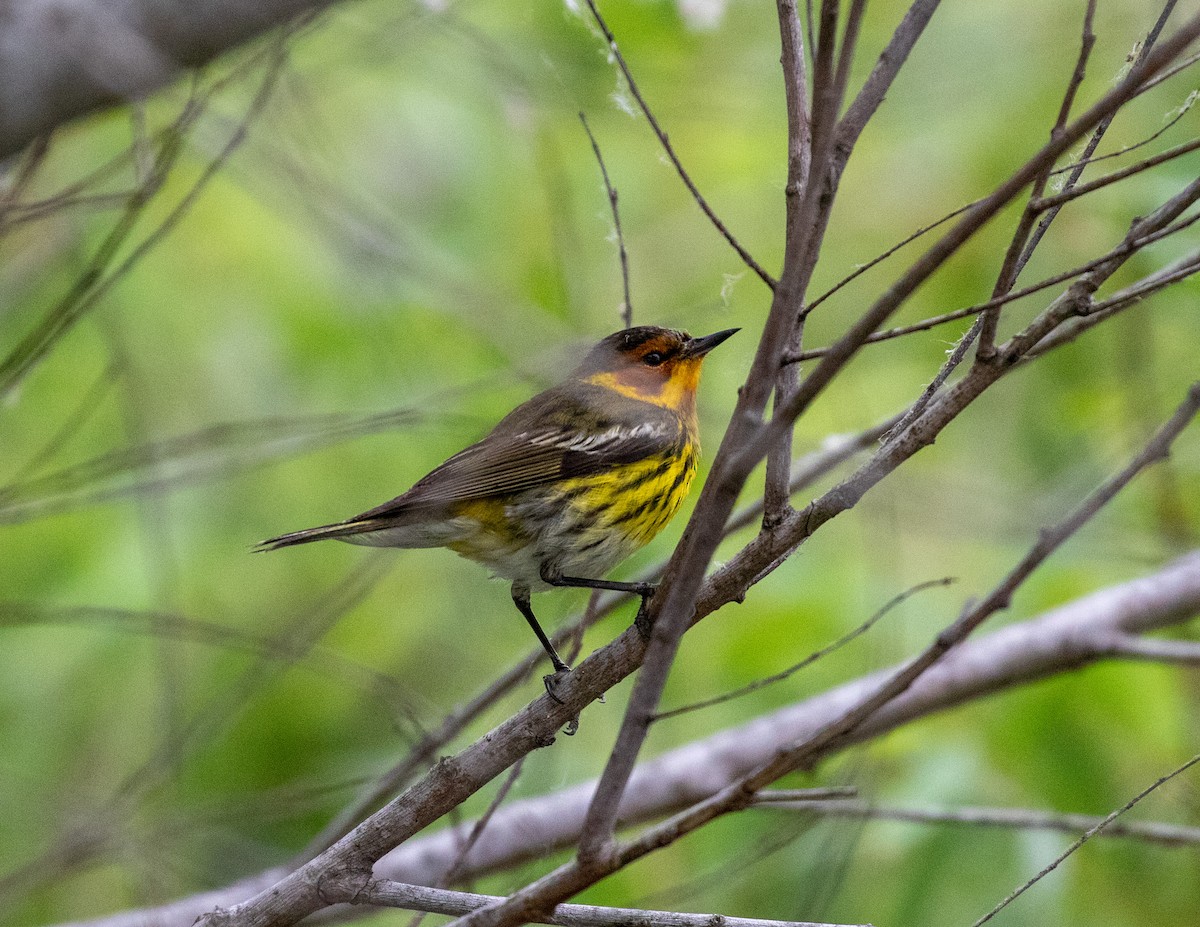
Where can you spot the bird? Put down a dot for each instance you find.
(568, 484)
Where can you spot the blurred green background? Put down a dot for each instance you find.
(413, 238)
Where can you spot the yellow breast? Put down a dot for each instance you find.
(636, 500)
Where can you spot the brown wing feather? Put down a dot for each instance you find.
(537, 443)
(527, 450)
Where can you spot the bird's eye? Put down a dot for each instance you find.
(653, 359)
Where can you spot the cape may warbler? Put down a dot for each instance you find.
(569, 484)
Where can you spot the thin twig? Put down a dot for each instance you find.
(1180, 66)
(627, 306)
(384, 893)
(1086, 836)
(811, 658)
(212, 451)
(663, 140)
(1171, 835)
(1026, 238)
(879, 259)
(477, 829)
(1093, 142)
(803, 796)
(1096, 159)
(1057, 199)
(26, 170)
(94, 284)
(286, 650)
(1125, 247)
(1101, 310)
(893, 57)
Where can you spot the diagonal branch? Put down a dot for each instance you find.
(1024, 239)
(1078, 633)
(572, 877)
(841, 351)
(384, 893)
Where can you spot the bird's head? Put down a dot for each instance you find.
(658, 365)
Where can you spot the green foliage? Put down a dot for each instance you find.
(416, 224)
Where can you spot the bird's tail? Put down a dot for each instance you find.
(339, 530)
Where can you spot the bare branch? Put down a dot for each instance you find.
(840, 352)
(1025, 239)
(1051, 202)
(776, 500)
(1125, 248)
(177, 462)
(1155, 650)
(1170, 835)
(1093, 142)
(627, 306)
(811, 658)
(1063, 639)
(161, 624)
(891, 60)
(1096, 159)
(801, 796)
(663, 140)
(879, 259)
(384, 893)
(1101, 310)
(1087, 835)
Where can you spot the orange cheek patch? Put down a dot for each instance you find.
(645, 383)
(673, 387)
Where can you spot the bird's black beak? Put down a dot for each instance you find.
(698, 347)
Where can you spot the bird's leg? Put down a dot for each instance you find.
(645, 590)
(520, 598)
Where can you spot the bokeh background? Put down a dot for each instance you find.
(413, 238)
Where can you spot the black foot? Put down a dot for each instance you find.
(642, 622)
(552, 681)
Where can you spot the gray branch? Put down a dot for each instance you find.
(1061, 640)
(60, 59)
(384, 893)
(1157, 832)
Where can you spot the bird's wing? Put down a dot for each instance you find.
(502, 464)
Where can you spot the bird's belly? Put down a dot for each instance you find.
(581, 527)
(598, 521)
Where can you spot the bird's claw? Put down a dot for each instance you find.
(642, 622)
(552, 681)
